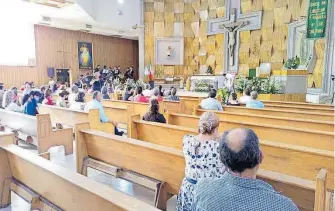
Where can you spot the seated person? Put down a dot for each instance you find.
(153, 114)
(157, 95)
(10, 102)
(254, 103)
(79, 103)
(73, 94)
(48, 100)
(201, 153)
(173, 96)
(63, 99)
(139, 96)
(96, 82)
(30, 107)
(211, 103)
(95, 103)
(148, 91)
(246, 97)
(233, 101)
(104, 92)
(161, 92)
(239, 189)
(129, 92)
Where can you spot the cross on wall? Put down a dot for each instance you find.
(230, 26)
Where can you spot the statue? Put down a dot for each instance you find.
(169, 52)
(231, 29)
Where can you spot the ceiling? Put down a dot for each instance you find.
(106, 17)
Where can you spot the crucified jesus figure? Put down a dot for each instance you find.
(231, 30)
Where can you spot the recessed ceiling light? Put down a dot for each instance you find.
(120, 1)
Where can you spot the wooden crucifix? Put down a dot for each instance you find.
(230, 26)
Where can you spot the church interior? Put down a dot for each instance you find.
(187, 105)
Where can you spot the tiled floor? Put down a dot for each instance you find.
(57, 156)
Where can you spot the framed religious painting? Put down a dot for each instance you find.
(169, 51)
(85, 55)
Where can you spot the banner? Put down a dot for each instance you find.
(317, 19)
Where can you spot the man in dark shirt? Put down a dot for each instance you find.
(97, 83)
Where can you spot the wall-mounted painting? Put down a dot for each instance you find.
(169, 51)
(85, 55)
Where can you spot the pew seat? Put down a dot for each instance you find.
(273, 120)
(167, 164)
(37, 130)
(48, 186)
(286, 158)
(285, 134)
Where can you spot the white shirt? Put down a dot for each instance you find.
(244, 99)
(14, 107)
(147, 92)
(72, 98)
(78, 106)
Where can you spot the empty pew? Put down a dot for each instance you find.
(287, 158)
(302, 137)
(73, 117)
(37, 130)
(278, 112)
(48, 186)
(273, 120)
(297, 104)
(106, 153)
(301, 108)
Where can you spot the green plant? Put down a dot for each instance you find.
(262, 86)
(270, 86)
(292, 63)
(223, 94)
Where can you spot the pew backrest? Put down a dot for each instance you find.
(297, 104)
(168, 164)
(59, 187)
(291, 135)
(301, 108)
(277, 112)
(290, 159)
(273, 120)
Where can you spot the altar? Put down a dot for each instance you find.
(203, 82)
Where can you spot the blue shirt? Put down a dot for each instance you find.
(31, 107)
(211, 104)
(232, 193)
(254, 104)
(94, 104)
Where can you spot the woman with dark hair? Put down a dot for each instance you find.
(139, 97)
(48, 98)
(79, 103)
(129, 92)
(233, 101)
(30, 106)
(153, 115)
(202, 159)
(161, 93)
(63, 100)
(104, 92)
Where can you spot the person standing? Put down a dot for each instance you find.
(30, 107)
(96, 83)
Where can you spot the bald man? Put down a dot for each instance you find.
(239, 189)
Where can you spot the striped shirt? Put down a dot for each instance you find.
(232, 193)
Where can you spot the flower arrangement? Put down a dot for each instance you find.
(202, 86)
(223, 94)
(292, 63)
(262, 86)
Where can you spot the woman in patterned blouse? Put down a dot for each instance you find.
(202, 158)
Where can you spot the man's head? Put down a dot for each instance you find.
(97, 74)
(212, 93)
(36, 95)
(247, 92)
(173, 91)
(156, 92)
(74, 89)
(239, 150)
(96, 96)
(234, 96)
(254, 95)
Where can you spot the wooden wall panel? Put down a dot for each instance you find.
(269, 44)
(52, 42)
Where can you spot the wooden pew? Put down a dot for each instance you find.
(302, 137)
(301, 108)
(37, 130)
(281, 113)
(48, 186)
(298, 104)
(73, 117)
(285, 158)
(273, 120)
(105, 152)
